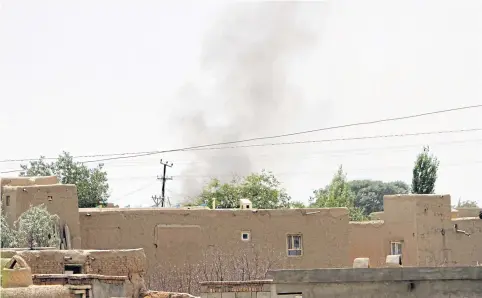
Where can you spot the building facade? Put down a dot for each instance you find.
(421, 228)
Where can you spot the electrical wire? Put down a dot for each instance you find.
(344, 139)
(292, 134)
(332, 140)
(125, 155)
(335, 153)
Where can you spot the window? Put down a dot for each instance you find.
(295, 246)
(7, 200)
(245, 236)
(396, 247)
(73, 269)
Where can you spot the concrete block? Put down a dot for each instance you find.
(393, 261)
(263, 295)
(214, 295)
(228, 295)
(361, 263)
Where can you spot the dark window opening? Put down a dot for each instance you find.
(73, 269)
(7, 200)
(245, 236)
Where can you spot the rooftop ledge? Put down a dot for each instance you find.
(236, 283)
(79, 276)
(301, 211)
(375, 274)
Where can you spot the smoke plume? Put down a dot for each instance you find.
(246, 57)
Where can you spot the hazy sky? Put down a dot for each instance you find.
(95, 77)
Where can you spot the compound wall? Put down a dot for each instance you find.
(178, 236)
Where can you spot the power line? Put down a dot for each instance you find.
(343, 139)
(147, 153)
(407, 167)
(295, 133)
(331, 140)
(338, 152)
(179, 177)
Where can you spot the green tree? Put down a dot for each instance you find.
(263, 189)
(92, 185)
(36, 228)
(297, 204)
(369, 193)
(425, 173)
(337, 194)
(7, 234)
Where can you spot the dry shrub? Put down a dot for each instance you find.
(249, 263)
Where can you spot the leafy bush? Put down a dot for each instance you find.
(36, 227)
(8, 237)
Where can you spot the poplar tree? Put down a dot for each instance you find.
(425, 173)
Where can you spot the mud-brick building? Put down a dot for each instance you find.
(422, 228)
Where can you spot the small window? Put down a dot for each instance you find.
(295, 246)
(247, 206)
(396, 247)
(49, 198)
(7, 200)
(73, 269)
(245, 236)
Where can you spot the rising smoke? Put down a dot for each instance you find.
(247, 55)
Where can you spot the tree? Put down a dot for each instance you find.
(425, 173)
(92, 186)
(467, 204)
(297, 204)
(263, 189)
(337, 194)
(7, 234)
(36, 227)
(369, 193)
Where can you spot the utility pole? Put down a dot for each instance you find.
(161, 200)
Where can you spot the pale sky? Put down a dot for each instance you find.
(99, 77)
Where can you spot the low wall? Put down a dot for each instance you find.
(235, 289)
(454, 282)
(37, 292)
(434, 282)
(100, 285)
